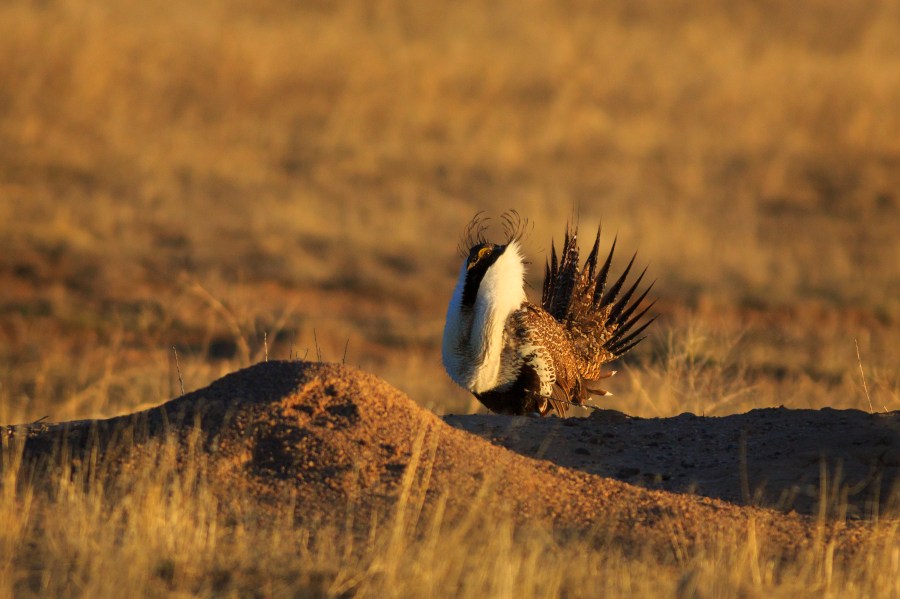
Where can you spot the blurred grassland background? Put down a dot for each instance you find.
(237, 178)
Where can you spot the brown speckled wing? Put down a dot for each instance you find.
(549, 341)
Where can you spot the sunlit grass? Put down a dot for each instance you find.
(159, 528)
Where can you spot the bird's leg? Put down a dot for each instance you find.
(535, 404)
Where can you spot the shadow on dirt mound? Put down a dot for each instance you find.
(342, 445)
(786, 459)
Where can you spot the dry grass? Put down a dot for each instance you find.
(163, 533)
(201, 175)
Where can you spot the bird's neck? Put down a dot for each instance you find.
(473, 335)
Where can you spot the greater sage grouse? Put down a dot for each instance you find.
(519, 358)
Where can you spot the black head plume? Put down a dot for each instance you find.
(515, 226)
(473, 234)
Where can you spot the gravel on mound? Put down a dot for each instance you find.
(341, 443)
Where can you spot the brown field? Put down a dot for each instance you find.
(240, 180)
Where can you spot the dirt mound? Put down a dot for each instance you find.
(340, 442)
(804, 460)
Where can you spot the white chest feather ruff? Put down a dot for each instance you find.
(473, 337)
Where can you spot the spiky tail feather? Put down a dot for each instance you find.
(600, 322)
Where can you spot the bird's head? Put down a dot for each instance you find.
(495, 268)
(482, 257)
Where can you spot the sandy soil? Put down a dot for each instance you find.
(777, 458)
(346, 446)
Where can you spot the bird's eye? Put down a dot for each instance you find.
(475, 258)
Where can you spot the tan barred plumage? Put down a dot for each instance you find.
(519, 358)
